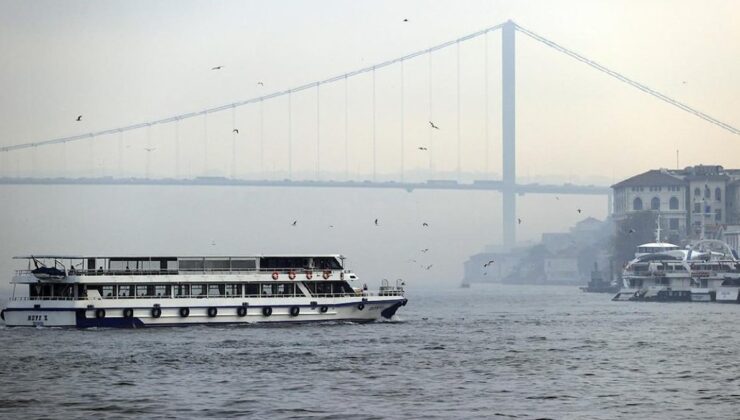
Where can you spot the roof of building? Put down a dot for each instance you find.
(654, 177)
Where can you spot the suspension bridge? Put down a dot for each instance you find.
(191, 148)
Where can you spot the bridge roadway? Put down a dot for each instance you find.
(485, 185)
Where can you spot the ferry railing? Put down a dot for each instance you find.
(315, 272)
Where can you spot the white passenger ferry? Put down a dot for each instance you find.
(83, 292)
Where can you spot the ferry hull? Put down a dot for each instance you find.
(137, 314)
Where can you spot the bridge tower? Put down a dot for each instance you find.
(508, 128)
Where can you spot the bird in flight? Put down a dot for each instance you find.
(376, 222)
(150, 149)
(79, 118)
(260, 83)
(519, 221)
(433, 126)
(579, 210)
(406, 20)
(331, 226)
(294, 222)
(488, 263)
(213, 243)
(236, 130)
(429, 266)
(425, 250)
(217, 68)
(631, 231)
(557, 198)
(425, 224)
(422, 148)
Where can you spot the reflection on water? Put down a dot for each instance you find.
(489, 351)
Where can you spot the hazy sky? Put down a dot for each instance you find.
(119, 63)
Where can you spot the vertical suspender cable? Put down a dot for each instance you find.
(346, 129)
(318, 131)
(403, 115)
(431, 130)
(120, 154)
(457, 75)
(262, 138)
(374, 144)
(205, 144)
(485, 89)
(148, 150)
(233, 142)
(290, 136)
(177, 149)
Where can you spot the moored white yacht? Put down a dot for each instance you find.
(171, 291)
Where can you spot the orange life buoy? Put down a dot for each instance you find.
(309, 275)
(291, 275)
(275, 275)
(326, 274)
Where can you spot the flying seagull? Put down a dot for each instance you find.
(236, 130)
(579, 210)
(425, 250)
(150, 149)
(519, 221)
(488, 263)
(631, 231)
(217, 68)
(425, 224)
(331, 226)
(79, 118)
(260, 83)
(422, 148)
(213, 243)
(406, 20)
(376, 222)
(429, 266)
(557, 198)
(433, 126)
(294, 222)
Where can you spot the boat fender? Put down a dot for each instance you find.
(309, 275)
(267, 311)
(100, 313)
(294, 311)
(241, 311)
(324, 309)
(361, 306)
(291, 275)
(326, 275)
(156, 312)
(212, 312)
(275, 275)
(128, 313)
(184, 312)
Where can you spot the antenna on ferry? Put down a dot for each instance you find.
(657, 229)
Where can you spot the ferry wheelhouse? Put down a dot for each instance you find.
(77, 291)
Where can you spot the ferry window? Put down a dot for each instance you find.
(718, 194)
(191, 264)
(114, 265)
(655, 203)
(637, 204)
(343, 287)
(718, 215)
(697, 191)
(673, 203)
(323, 288)
(216, 289)
(243, 265)
(283, 289)
(182, 290)
(283, 263)
(326, 263)
(233, 290)
(107, 291)
(266, 289)
(141, 290)
(252, 289)
(217, 264)
(125, 290)
(197, 290)
(162, 290)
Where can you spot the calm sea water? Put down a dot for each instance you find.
(487, 352)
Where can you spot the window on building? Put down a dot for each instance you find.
(673, 224)
(718, 215)
(707, 193)
(673, 203)
(655, 203)
(697, 207)
(697, 191)
(718, 194)
(637, 204)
